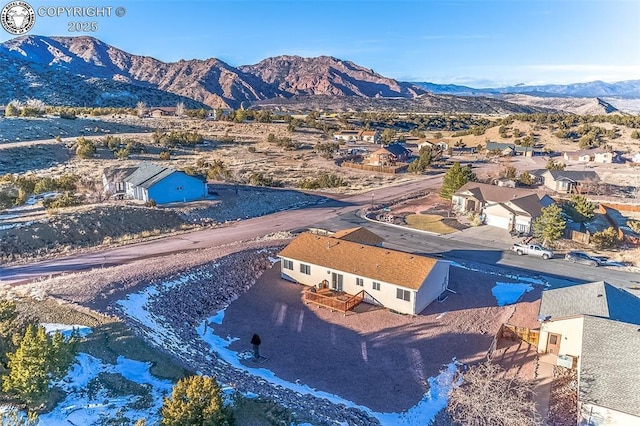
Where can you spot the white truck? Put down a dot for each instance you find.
(532, 249)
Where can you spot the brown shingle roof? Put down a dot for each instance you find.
(493, 193)
(390, 266)
(359, 235)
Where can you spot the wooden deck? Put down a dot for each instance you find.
(334, 300)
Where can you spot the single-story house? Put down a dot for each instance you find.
(403, 282)
(359, 235)
(504, 149)
(507, 149)
(597, 155)
(593, 328)
(150, 181)
(347, 135)
(440, 145)
(565, 181)
(426, 144)
(371, 136)
(501, 206)
(158, 112)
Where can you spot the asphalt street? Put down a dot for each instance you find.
(336, 213)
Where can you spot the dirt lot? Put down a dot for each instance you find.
(372, 352)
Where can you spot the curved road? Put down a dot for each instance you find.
(212, 237)
(337, 213)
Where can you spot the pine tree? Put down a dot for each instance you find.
(455, 178)
(526, 178)
(580, 209)
(197, 401)
(29, 367)
(62, 353)
(11, 110)
(550, 225)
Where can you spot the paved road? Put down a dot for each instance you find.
(337, 213)
(490, 251)
(238, 231)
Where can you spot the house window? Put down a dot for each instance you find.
(359, 282)
(403, 294)
(553, 339)
(305, 269)
(376, 285)
(287, 264)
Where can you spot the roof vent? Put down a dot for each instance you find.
(600, 295)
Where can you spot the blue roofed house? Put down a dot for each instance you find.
(163, 185)
(594, 328)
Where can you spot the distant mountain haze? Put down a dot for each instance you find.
(84, 71)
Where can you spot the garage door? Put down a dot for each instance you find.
(497, 221)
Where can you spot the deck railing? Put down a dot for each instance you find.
(334, 300)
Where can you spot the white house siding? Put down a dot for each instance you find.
(386, 296)
(594, 415)
(523, 224)
(436, 282)
(571, 331)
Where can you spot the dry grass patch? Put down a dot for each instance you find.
(429, 222)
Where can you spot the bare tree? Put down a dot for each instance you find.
(487, 397)
(36, 104)
(180, 109)
(141, 108)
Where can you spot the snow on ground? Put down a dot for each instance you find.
(422, 413)
(531, 280)
(135, 307)
(84, 407)
(508, 293)
(66, 329)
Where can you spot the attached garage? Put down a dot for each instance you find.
(499, 216)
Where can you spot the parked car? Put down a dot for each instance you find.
(582, 257)
(533, 249)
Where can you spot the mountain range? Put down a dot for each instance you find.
(85, 71)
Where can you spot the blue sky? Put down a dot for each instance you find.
(476, 42)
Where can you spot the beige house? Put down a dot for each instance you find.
(564, 181)
(501, 206)
(596, 155)
(371, 136)
(347, 135)
(403, 282)
(158, 112)
(593, 328)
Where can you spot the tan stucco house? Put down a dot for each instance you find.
(404, 282)
(593, 328)
(596, 155)
(565, 181)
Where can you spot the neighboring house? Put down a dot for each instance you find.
(158, 112)
(595, 155)
(401, 152)
(359, 235)
(371, 136)
(153, 182)
(504, 149)
(507, 149)
(382, 157)
(509, 183)
(347, 135)
(564, 181)
(501, 206)
(593, 328)
(403, 282)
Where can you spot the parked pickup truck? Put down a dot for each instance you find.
(532, 249)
